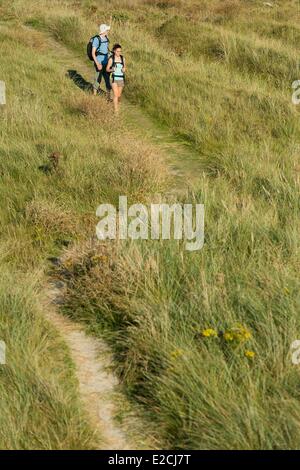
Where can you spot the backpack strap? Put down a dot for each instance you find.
(101, 42)
(114, 63)
(123, 63)
(99, 39)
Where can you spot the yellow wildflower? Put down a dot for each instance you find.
(228, 336)
(250, 354)
(247, 335)
(237, 333)
(209, 332)
(177, 353)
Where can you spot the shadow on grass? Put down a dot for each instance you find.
(81, 82)
(47, 169)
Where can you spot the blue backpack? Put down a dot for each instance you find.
(89, 48)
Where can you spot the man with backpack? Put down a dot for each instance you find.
(98, 52)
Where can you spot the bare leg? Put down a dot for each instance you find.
(116, 97)
(120, 89)
(96, 83)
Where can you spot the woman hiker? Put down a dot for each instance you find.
(116, 66)
(100, 53)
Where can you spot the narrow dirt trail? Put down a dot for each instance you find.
(91, 356)
(97, 383)
(181, 157)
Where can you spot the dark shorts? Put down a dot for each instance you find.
(98, 77)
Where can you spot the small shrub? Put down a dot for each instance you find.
(50, 217)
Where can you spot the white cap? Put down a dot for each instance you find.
(103, 28)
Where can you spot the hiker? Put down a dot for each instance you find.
(100, 54)
(116, 66)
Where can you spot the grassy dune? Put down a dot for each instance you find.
(222, 83)
(42, 210)
(39, 406)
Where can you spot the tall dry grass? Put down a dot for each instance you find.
(226, 90)
(43, 209)
(225, 87)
